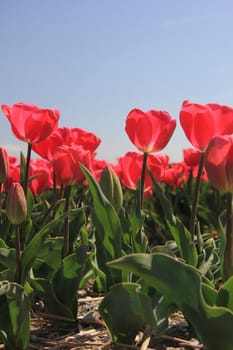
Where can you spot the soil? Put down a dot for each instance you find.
(49, 332)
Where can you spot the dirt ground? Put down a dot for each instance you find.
(90, 333)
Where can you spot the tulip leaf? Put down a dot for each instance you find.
(44, 289)
(126, 311)
(60, 292)
(48, 259)
(30, 252)
(14, 316)
(225, 295)
(7, 258)
(179, 232)
(68, 278)
(108, 230)
(182, 285)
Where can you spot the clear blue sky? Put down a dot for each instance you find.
(95, 60)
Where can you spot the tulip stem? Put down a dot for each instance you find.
(0, 202)
(29, 151)
(18, 254)
(228, 253)
(143, 174)
(66, 223)
(195, 196)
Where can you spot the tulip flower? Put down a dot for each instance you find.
(191, 157)
(219, 167)
(40, 171)
(202, 122)
(129, 170)
(219, 163)
(30, 123)
(4, 165)
(69, 137)
(66, 164)
(149, 131)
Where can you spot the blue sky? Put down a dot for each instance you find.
(95, 60)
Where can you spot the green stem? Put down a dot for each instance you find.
(18, 254)
(0, 202)
(29, 151)
(195, 196)
(228, 254)
(143, 174)
(66, 223)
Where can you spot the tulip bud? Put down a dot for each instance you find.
(111, 187)
(4, 165)
(16, 204)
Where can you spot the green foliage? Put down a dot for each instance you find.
(178, 230)
(136, 312)
(59, 290)
(141, 254)
(108, 230)
(14, 316)
(182, 284)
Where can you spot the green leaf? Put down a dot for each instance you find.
(30, 252)
(126, 311)
(67, 279)
(225, 295)
(182, 285)
(7, 258)
(44, 289)
(108, 229)
(179, 232)
(60, 293)
(14, 316)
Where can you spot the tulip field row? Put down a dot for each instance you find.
(148, 233)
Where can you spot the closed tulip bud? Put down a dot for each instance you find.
(4, 165)
(16, 204)
(111, 187)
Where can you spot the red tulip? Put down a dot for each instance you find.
(149, 131)
(176, 174)
(30, 123)
(191, 157)
(98, 165)
(4, 165)
(41, 171)
(202, 122)
(130, 166)
(219, 163)
(69, 137)
(66, 164)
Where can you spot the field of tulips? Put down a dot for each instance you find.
(151, 236)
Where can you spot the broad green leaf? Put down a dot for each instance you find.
(44, 289)
(126, 311)
(14, 316)
(182, 285)
(67, 279)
